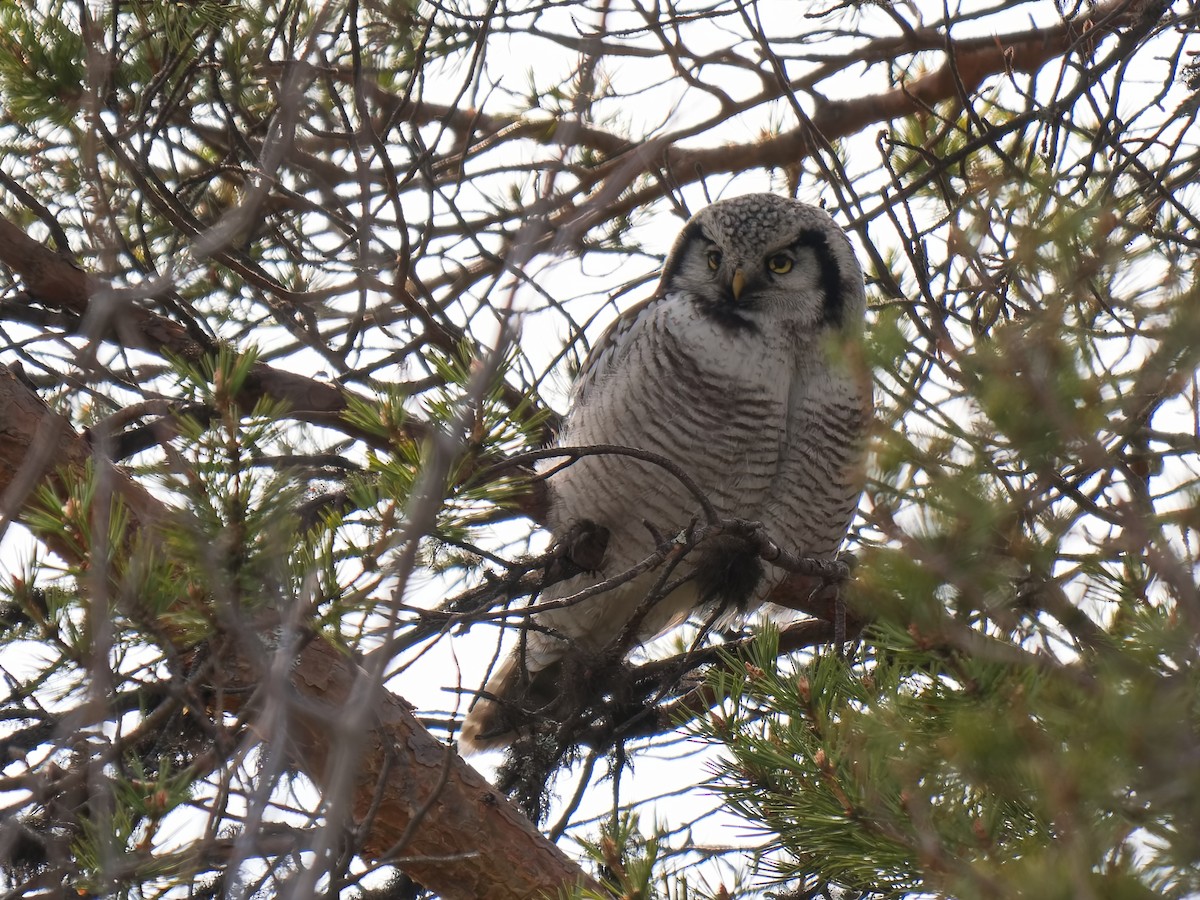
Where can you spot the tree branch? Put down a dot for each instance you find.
(54, 281)
(451, 830)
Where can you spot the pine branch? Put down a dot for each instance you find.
(420, 805)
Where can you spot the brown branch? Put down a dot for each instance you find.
(52, 277)
(468, 841)
(609, 189)
(36, 443)
(613, 184)
(972, 62)
(54, 281)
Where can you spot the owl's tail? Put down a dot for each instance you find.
(486, 726)
(527, 680)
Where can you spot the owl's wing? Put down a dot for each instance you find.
(607, 353)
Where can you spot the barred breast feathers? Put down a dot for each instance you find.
(726, 370)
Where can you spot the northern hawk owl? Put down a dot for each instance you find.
(738, 369)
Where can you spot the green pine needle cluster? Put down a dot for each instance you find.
(917, 768)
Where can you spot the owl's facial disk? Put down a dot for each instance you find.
(736, 288)
(759, 261)
(733, 276)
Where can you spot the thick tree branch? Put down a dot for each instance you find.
(446, 826)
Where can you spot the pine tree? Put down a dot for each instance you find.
(291, 298)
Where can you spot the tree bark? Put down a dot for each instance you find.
(417, 801)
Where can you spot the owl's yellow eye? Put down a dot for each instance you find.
(780, 264)
(714, 259)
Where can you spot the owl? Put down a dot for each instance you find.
(740, 369)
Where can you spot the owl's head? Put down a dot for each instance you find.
(762, 259)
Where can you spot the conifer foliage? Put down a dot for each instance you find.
(291, 295)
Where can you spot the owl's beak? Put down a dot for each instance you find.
(737, 284)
